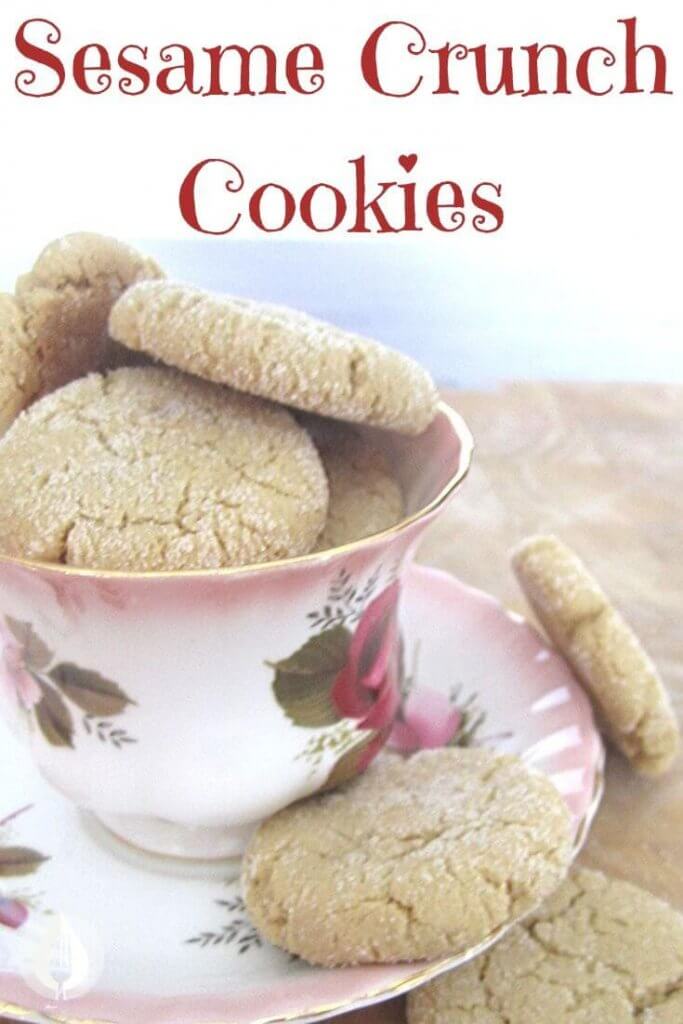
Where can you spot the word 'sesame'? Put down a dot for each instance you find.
(396, 60)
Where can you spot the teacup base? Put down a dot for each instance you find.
(172, 848)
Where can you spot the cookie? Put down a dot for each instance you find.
(19, 371)
(603, 651)
(600, 951)
(147, 469)
(65, 301)
(365, 496)
(416, 858)
(276, 353)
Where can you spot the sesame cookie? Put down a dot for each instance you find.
(276, 353)
(19, 372)
(600, 951)
(365, 496)
(65, 300)
(147, 469)
(416, 858)
(603, 651)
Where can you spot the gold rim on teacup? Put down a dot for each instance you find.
(461, 431)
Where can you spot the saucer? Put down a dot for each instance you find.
(89, 935)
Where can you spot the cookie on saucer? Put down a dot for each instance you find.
(147, 469)
(276, 353)
(600, 951)
(416, 858)
(602, 649)
(65, 302)
(365, 496)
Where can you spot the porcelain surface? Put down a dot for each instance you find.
(135, 945)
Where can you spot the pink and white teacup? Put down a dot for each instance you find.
(180, 708)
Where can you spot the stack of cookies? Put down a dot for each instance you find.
(153, 426)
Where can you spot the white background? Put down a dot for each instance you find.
(584, 279)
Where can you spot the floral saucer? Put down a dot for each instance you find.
(88, 935)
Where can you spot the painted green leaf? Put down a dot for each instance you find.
(349, 764)
(89, 691)
(19, 860)
(54, 718)
(37, 654)
(303, 682)
(324, 653)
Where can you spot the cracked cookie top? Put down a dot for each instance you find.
(602, 649)
(276, 353)
(417, 858)
(365, 496)
(64, 304)
(19, 370)
(147, 469)
(600, 951)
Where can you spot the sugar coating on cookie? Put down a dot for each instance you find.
(600, 951)
(66, 299)
(365, 496)
(276, 353)
(19, 372)
(416, 858)
(147, 469)
(602, 649)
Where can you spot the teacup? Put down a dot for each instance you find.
(180, 708)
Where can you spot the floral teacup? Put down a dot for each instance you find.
(180, 708)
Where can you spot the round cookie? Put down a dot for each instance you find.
(147, 469)
(276, 353)
(19, 371)
(603, 651)
(66, 298)
(365, 496)
(416, 858)
(600, 951)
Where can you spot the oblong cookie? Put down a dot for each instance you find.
(276, 353)
(416, 858)
(602, 649)
(147, 469)
(65, 301)
(600, 951)
(365, 496)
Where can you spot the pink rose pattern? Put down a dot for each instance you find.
(351, 668)
(367, 686)
(348, 670)
(13, 913)
(15, 677)
(53, 690)
(428, 719)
